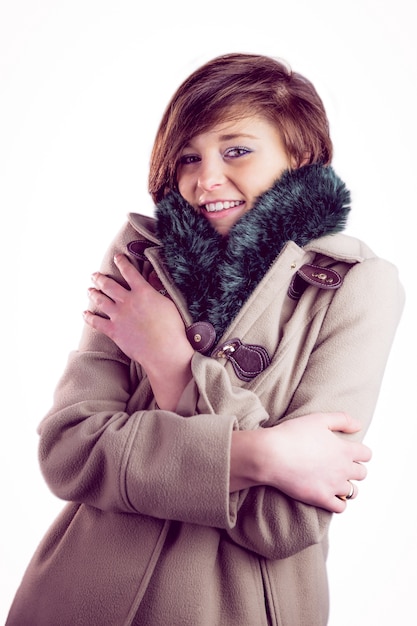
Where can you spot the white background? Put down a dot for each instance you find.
(83, 84)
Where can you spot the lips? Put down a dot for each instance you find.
(214, 207)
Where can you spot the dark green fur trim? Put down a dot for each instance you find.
(217, 274)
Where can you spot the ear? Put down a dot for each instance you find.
(305, 160)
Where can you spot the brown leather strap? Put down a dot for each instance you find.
(309, 274)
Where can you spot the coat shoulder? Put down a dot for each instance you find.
(366, 267)
(144, 225)
(342, 247)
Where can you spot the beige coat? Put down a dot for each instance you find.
(151, 530)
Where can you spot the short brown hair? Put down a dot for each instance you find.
(247, 84)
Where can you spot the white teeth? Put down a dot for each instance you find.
(220, 206)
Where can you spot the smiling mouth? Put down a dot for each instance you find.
(214, 207)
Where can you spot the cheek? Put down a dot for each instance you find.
(269, 177)
(184, 186)
(256, 184)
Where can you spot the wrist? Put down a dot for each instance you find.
(169, 375)
(246, 459)
(168, 359)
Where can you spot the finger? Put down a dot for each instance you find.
(97, 322)
(129, 271)
(336, 505)
(343, 422)
(358, 471)
(339, 421)
(109, 287)
(360, 452)
(101, 301)
(349, 492)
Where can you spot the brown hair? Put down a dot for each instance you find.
(233, 85)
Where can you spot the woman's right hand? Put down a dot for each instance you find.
(303, 457)
(146, 326)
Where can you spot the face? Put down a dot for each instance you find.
(222, 171)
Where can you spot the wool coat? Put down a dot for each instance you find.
(151, 535)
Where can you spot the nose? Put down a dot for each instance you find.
(211, 173)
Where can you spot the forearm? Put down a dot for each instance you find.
(245, 460)
(170, 375)
(269, 522)
(283, 457)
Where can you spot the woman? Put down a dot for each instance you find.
(210, 422)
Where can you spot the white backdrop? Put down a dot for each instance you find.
(82, 87)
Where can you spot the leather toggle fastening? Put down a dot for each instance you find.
(322, 277)
(248, 360)
(138, 247)
(201, 336)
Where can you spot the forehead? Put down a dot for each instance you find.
(250, 126)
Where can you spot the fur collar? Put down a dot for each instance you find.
(217, 274)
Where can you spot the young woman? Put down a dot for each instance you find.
(210, 422)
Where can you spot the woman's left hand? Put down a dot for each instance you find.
(144, 324)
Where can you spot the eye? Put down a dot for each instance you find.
(187, 159)
(236, 152)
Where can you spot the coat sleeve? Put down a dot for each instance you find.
(97, 448)
(106, 444)
(342, 371)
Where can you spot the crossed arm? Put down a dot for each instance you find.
(281, 457)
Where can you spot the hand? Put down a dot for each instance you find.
(145, 325)
(306, 458)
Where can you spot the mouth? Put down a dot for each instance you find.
(216, 207)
